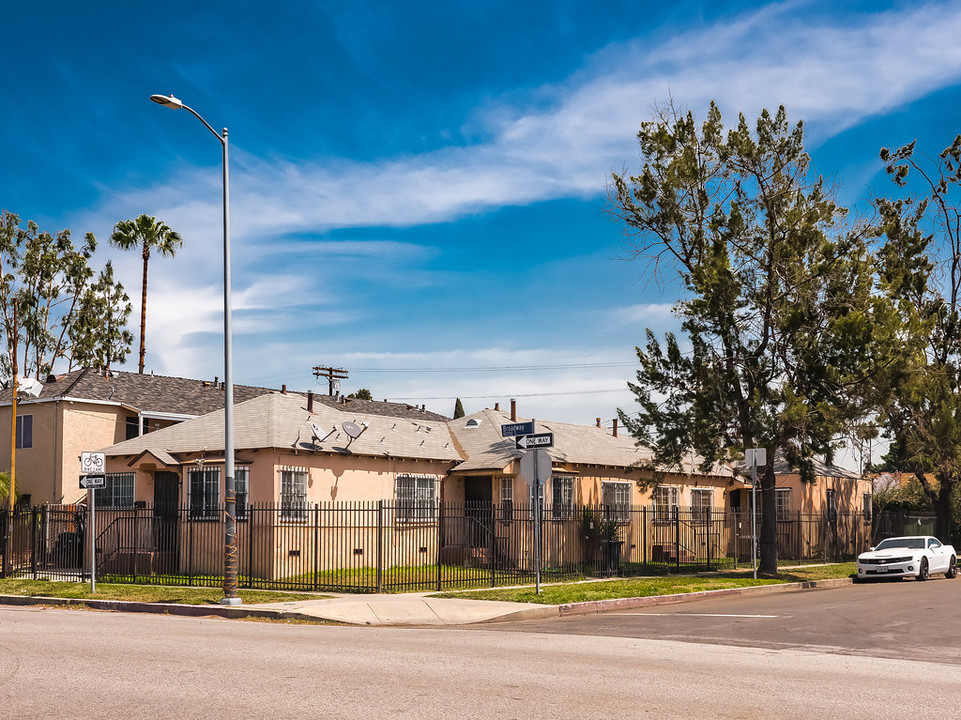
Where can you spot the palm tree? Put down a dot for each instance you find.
(145, 232)
(5, 492)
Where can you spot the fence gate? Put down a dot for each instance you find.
(47, 542)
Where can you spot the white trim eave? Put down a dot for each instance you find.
(179, 417)
(66, 398)
(155, 415)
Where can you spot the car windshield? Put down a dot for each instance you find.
(912, 543)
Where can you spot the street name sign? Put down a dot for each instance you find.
(93, 481)
(540, 440)
(515, 429)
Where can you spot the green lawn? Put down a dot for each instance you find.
(560, 594)
(142, 593)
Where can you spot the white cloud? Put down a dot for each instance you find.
(656, 316)
(832, 71)
(827, 72)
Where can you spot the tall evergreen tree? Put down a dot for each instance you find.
(146, 233)
(784, 335)
(99, 334)
(458, 409)
(921, 272)
(45, 276)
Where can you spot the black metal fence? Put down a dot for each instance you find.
(391, 546)
(898, 522)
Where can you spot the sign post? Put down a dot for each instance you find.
(535, 467)
(92, 466)
(754, 457)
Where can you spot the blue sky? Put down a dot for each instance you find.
(418, 189)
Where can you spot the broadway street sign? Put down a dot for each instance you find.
(514, 429)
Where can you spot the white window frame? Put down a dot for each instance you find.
(782, 504)
(616, 501)
(207, 505)
(701, 510)
(507, 498)
(831, 504)
(665, 499)
(24, 433)
(293, 493)
(118, 491)
(416, 498)
(241, 491)
(562, 497)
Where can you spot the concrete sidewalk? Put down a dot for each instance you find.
(412, 608)
(409, 609)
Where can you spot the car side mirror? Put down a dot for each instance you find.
(871, 549)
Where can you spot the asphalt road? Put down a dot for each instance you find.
(57, 663)
(901, 619)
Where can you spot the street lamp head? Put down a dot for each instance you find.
(168, 101)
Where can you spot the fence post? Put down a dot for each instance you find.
(493, 545)
(251, 513)
(380, 546)
(677, 539)
(644, 536)
(710, 528)
(316, 545)
(440, 539)
(190, 546)
(136, 542)
(34, 531)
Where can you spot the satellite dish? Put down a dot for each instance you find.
(353, 430)
(29, 385)
(318, 432)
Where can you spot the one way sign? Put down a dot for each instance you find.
(540, 440)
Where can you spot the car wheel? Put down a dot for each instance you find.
(923, 569)
(952, 568)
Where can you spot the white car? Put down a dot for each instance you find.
(918, 557)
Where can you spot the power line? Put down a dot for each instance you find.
(513, 395)
(495, 368)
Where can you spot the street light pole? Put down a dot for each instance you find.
(230, 494)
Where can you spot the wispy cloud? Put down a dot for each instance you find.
(656, 316)
(831, 71)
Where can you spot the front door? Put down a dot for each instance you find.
(166, 509)
(479, 509)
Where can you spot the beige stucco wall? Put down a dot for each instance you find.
(811, 498)
(331, 478)
(62, 429)
(36, 466)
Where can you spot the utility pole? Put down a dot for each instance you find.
(8, 530)
(333, 375)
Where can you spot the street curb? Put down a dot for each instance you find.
(235, 612)
(232, 612)
(599, 606)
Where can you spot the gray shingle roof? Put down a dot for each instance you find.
(150, 393)
(183, 396)
(479, 437)
(279, 421)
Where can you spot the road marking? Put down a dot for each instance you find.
(720, 615)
